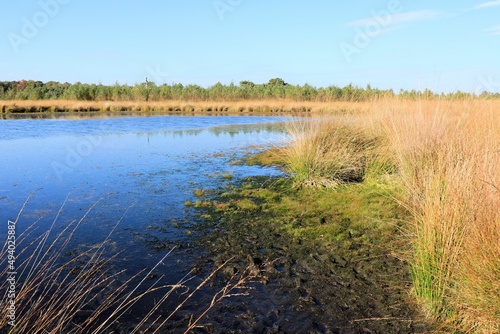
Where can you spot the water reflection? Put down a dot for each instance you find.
(154, 162)
(141, 171)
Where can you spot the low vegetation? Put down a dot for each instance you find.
(415, 179)
(275, 89)
(59, 289)
(332, 249)
(448, 157)
(443, 157)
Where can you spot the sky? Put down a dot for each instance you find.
(442, 45)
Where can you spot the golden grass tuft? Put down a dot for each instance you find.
(448, 155)
(327, 152)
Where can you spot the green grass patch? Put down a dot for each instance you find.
(355, 216)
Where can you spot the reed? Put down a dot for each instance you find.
(272, 106)
(448, 156)
(445, 156)
(82, 294)
(327, 152)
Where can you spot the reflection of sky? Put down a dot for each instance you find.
(150, 162)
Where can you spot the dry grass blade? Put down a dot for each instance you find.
(448, 158)
(72, 296)
(235, 283)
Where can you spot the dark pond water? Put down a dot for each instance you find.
(141, 168)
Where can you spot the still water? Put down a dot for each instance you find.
(139, 170)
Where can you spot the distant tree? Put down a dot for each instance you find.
(277, 82)
(177, 91)
(246, 84)
(217, 91)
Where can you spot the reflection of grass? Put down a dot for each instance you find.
(80, 295)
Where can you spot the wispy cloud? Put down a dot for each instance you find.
(399, 18)
(488, 4)
(494, 30)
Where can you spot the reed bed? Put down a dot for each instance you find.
(446, 156)
(177, 106)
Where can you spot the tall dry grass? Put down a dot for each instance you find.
(327, 152)
(264, 106)
(449, 157)
(81, 295)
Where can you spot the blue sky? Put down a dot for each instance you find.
(441, 45)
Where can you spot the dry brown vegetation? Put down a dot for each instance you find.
(447, 156)
(82, 295)
(178, 106)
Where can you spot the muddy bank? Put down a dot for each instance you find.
(302, 285)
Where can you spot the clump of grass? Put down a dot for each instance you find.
(448, 158)
(199, 192)
(327, 152)
(246, 204)
(227, 176)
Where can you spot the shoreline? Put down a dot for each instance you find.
(318, 266)
(169, 106)
(265, 106)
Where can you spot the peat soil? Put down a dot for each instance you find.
(299, 285)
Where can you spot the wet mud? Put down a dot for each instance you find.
(303, 286)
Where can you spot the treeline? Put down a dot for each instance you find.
(246, 90)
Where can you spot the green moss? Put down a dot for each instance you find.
(246, 204)
(203, 204)
(355, 216)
